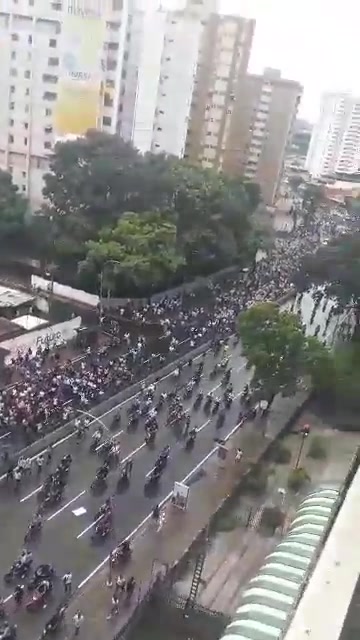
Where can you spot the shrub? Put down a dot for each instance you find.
(256, 480)
(272, 518)
(297, 479)
(280, 454)
(317, 448)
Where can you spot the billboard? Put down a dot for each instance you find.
(80, 83)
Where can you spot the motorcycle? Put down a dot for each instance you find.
(39, 597)
(95, 443)
(18, 570)
(8, 631)
(123, 481)
(220, 420)
(122, 553)
(116, 422)
(102, 530)
(54, 623)
(216, 407)
(198, 400)
(42, 572)
(33, 530)
(190, 442)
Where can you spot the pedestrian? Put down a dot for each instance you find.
(129, 466)
(39, 464)
(114, 606)
(17, 477)
(48, 454)
(120, 584)
(67, 582)
(78, 619)
(130, 586)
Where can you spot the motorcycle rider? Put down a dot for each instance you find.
(19, 593)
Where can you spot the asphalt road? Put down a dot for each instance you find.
(66, 538)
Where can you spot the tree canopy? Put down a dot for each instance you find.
(275, 344)
(141, 251)
(96, 180)
(12, 211)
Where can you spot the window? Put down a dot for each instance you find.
(56, 6)
(13, 55)
(25, 142)
(47, 145)
(108, 101)
(12, 106)
(27, 108)
(53, 62)
(47, 77)
(13, 73)
(15, 37)
(113, 46)
(110, 84)
(106, 121)
(11, 138)
(27, 74)
(11, 122)
(48, 112)
(31, 3)
(29, 39)
(48, 129)
(24, 174)
(49, 95)
(12, 89)
(26, 125)
(23, 187)
(117, 5)
(111, 65)
(27, 91)
(52, 43)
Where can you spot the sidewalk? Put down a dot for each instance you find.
(154, 550)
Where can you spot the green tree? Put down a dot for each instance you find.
(336, 266)
(274, 344)
(12, 212)
(141, 251)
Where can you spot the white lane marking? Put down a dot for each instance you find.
(128, 457)
(161, 504)
(8, 598)
(65, 506)
(31, 494)
(131, 535)
(115, 435)
(5, 435)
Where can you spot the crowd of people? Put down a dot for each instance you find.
(46, 397)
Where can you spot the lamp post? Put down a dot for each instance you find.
(101, 291)
(304, 434)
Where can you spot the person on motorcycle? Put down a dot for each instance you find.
(209, 397)
(96, 436)
(103, 472)
(25, 557)
(216, 404)
(19, 593)
(165, 453)
(192, 435)
(43, 587)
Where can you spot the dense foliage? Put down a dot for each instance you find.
(275, 344)
(139, 223)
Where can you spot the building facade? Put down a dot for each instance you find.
(250, 132)
(223, 60)
(60, 76)
(160, 72)
(335, 141)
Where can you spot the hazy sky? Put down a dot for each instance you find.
(313, 41)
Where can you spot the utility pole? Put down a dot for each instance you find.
(304, 434)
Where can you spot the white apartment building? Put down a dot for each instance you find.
(335, 141)
(60, 75)
(160, 72)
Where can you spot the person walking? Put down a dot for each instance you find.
(78, 619)
(67, 582)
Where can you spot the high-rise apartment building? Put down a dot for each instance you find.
(160, 72)
(335, 141)
(249, 133)
(224, 57)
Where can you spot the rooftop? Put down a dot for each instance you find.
(13, 298)
(269, 602)
(330, 606)
(29, 322)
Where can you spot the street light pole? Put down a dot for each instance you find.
(101, 288)
(304, 434)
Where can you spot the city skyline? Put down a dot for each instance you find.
(321, 58)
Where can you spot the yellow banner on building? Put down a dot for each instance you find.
(80, 85)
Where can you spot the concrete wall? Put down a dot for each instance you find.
(63, 291)
(49, 336)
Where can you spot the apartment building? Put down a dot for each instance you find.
(247, 133)
(160, 72)
(335, 141)
(60, 75)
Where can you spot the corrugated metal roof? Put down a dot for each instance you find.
(269, 601)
